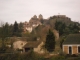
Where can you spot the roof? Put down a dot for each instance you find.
(33, 44)
(14, 39)
(72, 39)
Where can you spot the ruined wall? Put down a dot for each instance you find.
(19, 44)
(39, 48)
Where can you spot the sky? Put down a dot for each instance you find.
(23, 10)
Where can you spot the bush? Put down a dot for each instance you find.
(3, 49)
(57, 58)
(18, 56)
(74, 55)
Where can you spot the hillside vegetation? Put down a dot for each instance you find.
(54, 28)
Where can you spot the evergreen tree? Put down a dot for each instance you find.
(15, 29)
(21, 27)
(4, 32)
(10, 30)
(50, 41)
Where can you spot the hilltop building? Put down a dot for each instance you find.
(27, 27)
(33, 22)
(40, 17)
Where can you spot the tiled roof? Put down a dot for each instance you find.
(33, 44)
(22, 38)
(72, 39)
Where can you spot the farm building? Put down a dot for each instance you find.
(72, 44)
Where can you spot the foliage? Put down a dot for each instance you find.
(57, 58)
(15, 29)
(66, 29)
(4, 32)
(50, 41)
(34, 56)
(17, 56)
(59, 26)
(20, 25)
(3, 49)
(40, 31)
(9, 30)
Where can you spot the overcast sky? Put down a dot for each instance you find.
(23, 10)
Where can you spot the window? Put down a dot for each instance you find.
(78, 49)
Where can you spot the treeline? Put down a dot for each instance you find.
(10, 30)
(64, 29)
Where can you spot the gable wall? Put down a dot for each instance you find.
(19, 44)
(39, 48)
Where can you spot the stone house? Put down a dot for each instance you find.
(25, 44)
(36, 46)
(72, 44)
(18, 42)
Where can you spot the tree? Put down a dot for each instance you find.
(76, 28)
(4, 32)
(15, 29)
(50, 41)
(60, 26)
(20, 27)
(72, 29)
(10, 30)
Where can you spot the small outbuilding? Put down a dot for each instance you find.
(71, 45)
(36, 46)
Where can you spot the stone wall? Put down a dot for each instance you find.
(19, 44)
(39, 48)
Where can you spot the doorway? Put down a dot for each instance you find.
(70, 50)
